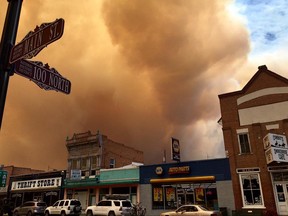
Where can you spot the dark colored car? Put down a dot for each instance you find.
(30, 208)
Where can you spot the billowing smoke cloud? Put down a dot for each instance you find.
(141, 72)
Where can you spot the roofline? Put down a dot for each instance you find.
(262, 68)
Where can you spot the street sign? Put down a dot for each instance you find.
(36, 40)
(43, 76)
(3, 178)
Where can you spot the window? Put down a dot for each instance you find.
(56, 204)
(66, 203)
(251, 190)
(85, 163)
(94, 162)
(61, 203)
(75, 164)
(117, 203)
(244, 143)
(95, 165)
(105, 203)
(112, 163)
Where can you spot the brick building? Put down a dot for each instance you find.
(255, 125)
(87, 154)
(91, 152)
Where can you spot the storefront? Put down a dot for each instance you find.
(168, 186)
(46, 186)
(120, 183)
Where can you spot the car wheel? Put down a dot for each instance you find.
(76, 209)
(111, 213)
(89, 213)
(46, 213)
(15, 213)
(63, 213)
(29, 213)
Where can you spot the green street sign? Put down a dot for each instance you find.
(3, 178)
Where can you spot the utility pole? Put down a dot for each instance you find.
(7, 42)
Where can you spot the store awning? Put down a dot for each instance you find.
(196, 179)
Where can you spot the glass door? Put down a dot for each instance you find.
(281, 191)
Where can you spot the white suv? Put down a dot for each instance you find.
(108, 207)
(64, 207)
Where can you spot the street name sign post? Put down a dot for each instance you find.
(30, 46)
(45, 77)
(36, 40)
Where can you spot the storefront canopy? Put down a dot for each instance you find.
(200, 179)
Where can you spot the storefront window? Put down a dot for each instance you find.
(251, 190)
(175, 195)
(120, 190)
(280, 176)
(170, 197)
(158, 197)
(103, 192)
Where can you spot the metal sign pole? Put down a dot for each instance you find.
(7, 42)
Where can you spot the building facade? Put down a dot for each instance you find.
(89, 153)
(90, 158)
(44, 186)
(117, 183)
(255, 125)
(14, 171)
(167, 186)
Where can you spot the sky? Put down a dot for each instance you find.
(141, 73)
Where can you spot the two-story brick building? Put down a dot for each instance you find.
(255, 126)
(87, 154)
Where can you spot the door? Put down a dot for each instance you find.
(55, 208)
(281, 192)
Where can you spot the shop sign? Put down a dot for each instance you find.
(3, 178)
(36, 184)
(275, 140)
(175, 149)
(159, 170)
(75, 174)
(179, 170)
(276, 154)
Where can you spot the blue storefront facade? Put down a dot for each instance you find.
(167, 186)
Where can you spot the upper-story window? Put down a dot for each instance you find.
(112, 163)
(95, 161)
(243, 140)
(75, 164)
(85, 163)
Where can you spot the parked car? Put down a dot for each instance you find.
(64, 207)
(30, 208)
(137, 209)
(192, 210)
(109, 208)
